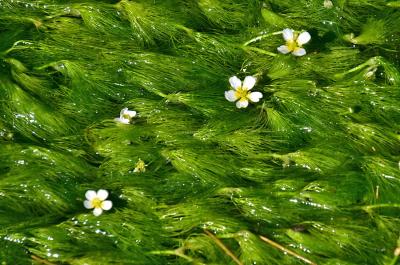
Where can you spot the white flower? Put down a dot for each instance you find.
(241, 93)
(328, 4)
(97, 200)
(125, 116)
(397, 252)
(294, 42)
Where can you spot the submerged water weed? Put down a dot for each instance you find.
(97, 201)
(240, 93)
(309, 174)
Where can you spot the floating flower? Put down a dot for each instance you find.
(125, 116)
(140, 166)
(328, 4)
(241, 93)
(294, 42)
(397, 252)
(97, 200)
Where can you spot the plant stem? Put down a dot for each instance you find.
(177, 252)
(223, 247)
(41, 261)
(372, 61)
(261, 37)
(386, 205)
(394, 260)
(282, 248)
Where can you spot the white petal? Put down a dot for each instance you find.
(125, 121)
(102, 194)
(131, 113)
(90, 195)
(88, 204)
(122, 120)
(231, 95)
(283, 49)
(249, 82)
(255, 96)
(303, 38)
(106, 205)
(122, 112)
(328, 4)
(97, 211)
(235, 82)
(299, 52)
(287, 34)
(126, 111)
(243, 103)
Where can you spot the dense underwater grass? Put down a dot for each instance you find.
(309, 175)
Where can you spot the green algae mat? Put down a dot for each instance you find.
(200, 132)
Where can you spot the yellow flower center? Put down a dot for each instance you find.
(96, 202)
(140, 166)
(126, 116)
(292, 44)
(242, 93)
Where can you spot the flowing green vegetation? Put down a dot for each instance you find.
(308, 175)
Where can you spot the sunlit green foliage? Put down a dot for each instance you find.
(313, 167)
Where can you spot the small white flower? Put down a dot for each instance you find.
(241, 93)
(397, 252)
(328, 4)
(294, 42)
(97, 200)
(126, 116)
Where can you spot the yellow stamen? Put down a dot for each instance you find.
(126, 116)
(140, 166)
(96, 202)
(292, 44)
(242, 93)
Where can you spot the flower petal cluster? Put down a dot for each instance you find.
(140, 166)
(294, 42)
(97, 201)
(241, 92)
(126, 116)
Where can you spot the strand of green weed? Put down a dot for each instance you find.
(370, 207)
(223, 247)
(394, 260)
(13, 47)
(246, 48)
(394, 4)
(177, 252)
(372, 61)
(36, 23)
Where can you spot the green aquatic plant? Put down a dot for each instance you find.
(128, 96)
